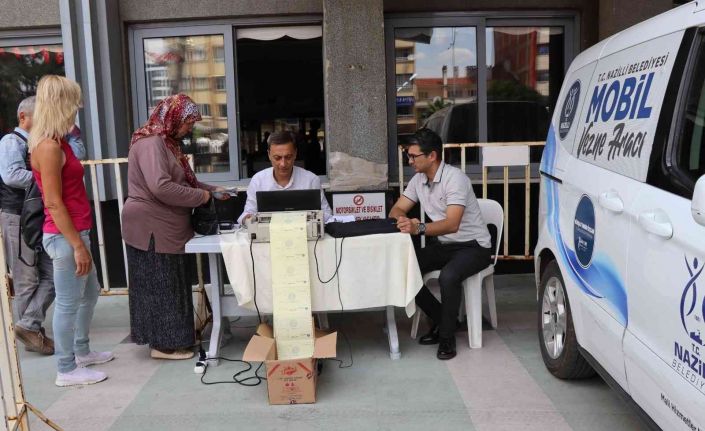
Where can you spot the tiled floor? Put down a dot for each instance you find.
(503, 386)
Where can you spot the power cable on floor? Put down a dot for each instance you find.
(249, 381)
(342, 309)
(254, 281)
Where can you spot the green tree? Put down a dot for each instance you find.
(512, 90)
(436, 105)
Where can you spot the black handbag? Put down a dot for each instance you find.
(204, 219)
(32, 221)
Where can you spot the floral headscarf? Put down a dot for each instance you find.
(166, 120)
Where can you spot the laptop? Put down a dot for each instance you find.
(289, 200)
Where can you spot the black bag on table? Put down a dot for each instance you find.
(204, 219)
(362, 227)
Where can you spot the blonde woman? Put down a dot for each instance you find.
(68, 221)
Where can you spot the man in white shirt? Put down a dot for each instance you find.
(457, 239)
(283, 175)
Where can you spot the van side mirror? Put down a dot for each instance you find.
(697, 207)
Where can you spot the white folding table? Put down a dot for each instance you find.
(376, 272)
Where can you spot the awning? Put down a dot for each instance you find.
(273, 33)
(419, 35)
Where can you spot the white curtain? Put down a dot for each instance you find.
(272, 33)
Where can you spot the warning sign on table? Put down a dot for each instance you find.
(363, 206)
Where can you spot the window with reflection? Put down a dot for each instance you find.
(21, 68)
(193, 65)
(525, 67)
(436, 83)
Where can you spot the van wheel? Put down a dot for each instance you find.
(559, 345)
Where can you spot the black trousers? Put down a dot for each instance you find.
(457, 261)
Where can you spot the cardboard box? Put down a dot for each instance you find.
(289, 381)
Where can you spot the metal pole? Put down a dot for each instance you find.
(400, 159)
(99, 227)
(527, 208)
(201, 309)
(121, 203)
(506, 210)
(15, 414)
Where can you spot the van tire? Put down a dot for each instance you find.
(569, 364)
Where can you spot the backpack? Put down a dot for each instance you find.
(31, 228)
(32, 222)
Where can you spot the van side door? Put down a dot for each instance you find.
(663, 346)
(605, 176)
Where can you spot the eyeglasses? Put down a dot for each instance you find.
(413, 157)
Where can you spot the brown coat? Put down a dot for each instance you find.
(159, 200)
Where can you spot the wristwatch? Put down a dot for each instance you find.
(421, 229)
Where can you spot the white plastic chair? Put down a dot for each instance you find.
(492, 214)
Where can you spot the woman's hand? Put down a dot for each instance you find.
(83, 260)
(221, 193)
(206, 197)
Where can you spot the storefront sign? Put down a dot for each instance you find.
(405, 101)
(363, 206)
(622, 104)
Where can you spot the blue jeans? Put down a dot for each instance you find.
(75, 300)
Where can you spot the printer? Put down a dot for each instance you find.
(277, 201)
(258, 225)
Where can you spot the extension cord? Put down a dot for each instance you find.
(200, 367)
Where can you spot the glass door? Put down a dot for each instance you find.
(198, 62)
(475, 78)
(525, 69)
(435, 73)
(21, 68)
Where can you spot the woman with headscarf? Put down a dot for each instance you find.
(156, 224)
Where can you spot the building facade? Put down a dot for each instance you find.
(347, 77)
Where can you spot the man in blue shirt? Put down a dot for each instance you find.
(34, 285)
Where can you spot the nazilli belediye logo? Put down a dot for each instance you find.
(693, 303)
(570, 105)
(570, 102)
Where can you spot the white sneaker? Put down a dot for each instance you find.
(93, 358)
(80, 376)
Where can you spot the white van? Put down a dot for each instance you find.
(621, 249)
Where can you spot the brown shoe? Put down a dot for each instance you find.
(10, 285)
(171, 354)
(49, 342)
(34, 341)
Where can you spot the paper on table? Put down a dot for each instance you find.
(291, 286)
(341, 219)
